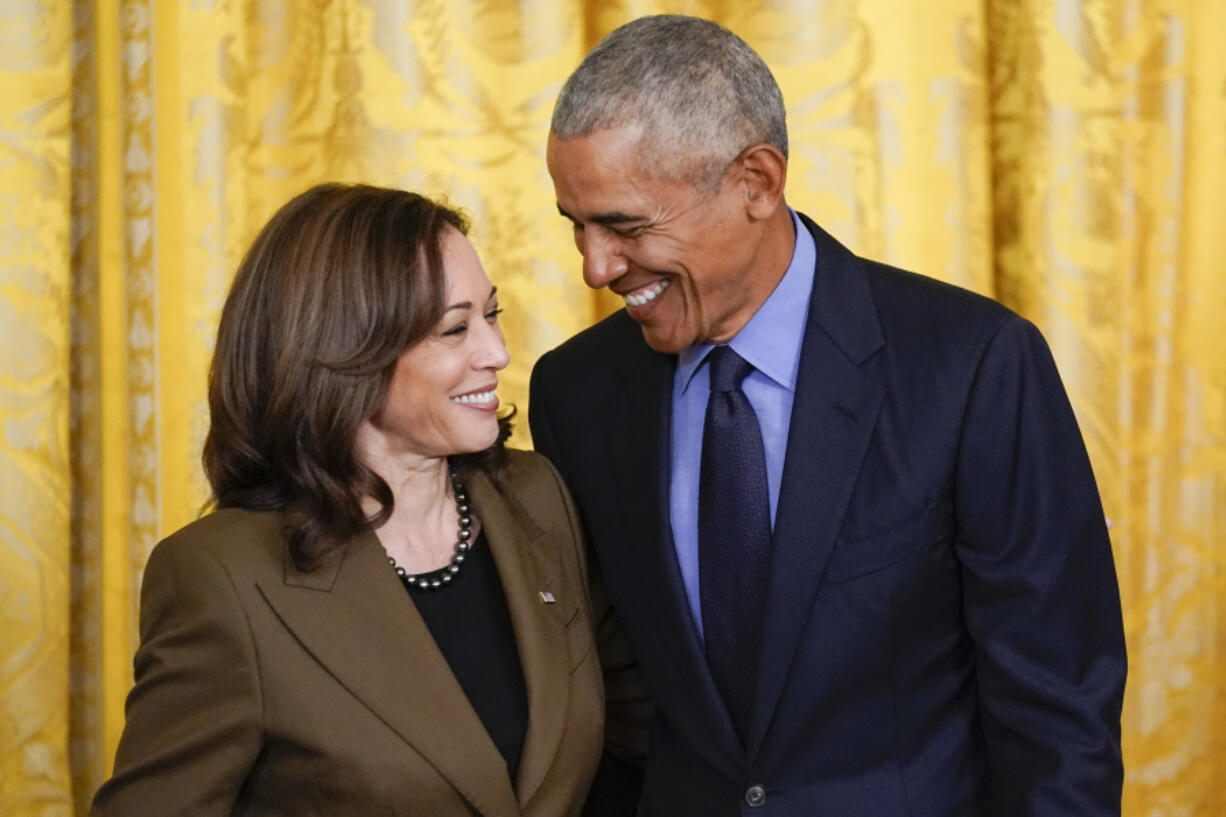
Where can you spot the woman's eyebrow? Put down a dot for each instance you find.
(469, 304)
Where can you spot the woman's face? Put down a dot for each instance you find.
(441, 400)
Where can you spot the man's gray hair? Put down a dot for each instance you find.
(698, 91)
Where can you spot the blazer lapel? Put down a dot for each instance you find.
(357, 620)
(540, 632)
(687, 689)
(833, 416)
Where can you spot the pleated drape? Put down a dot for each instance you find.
(1067, 157)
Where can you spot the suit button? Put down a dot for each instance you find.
(755, 796)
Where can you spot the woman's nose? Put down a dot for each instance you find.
(493, 352)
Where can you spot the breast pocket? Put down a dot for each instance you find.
(579, 638)
(859, 555)
(569, 606)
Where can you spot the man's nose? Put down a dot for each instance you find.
(603, 262)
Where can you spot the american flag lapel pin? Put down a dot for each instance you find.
(547, 597)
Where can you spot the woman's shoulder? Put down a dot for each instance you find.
(529, 467)
(228, 537)
(531, 478)
(532, 484)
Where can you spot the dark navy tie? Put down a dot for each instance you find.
(734, 535)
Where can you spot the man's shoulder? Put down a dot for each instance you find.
(608, 336)
(924, 319)
(596, 348)
(904, 302)
(904, 291)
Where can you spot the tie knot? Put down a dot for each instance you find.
(728, 369)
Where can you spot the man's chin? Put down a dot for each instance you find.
(663, 341)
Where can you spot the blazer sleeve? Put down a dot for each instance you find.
(1041, 600)
(193, 718)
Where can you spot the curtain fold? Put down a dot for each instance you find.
(1064, 156)
(1108, 161)
(35, 479)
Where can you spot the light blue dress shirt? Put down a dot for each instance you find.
(771, 342)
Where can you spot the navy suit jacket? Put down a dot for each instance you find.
(943, 633)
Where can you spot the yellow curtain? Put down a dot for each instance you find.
(1064, 156)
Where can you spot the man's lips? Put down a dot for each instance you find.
(646, 293)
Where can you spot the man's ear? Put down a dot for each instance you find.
(764, 171)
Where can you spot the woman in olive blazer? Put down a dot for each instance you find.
(386, 612)
(266, 690)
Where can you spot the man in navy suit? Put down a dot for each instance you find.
(936, 630)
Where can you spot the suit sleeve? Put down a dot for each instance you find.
(628, 708)
(1041, 600)
(193, 718)
(538, 416)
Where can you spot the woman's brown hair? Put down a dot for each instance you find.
(338, 284)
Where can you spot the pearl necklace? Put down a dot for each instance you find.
(444, 577)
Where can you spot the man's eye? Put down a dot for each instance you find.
(631, 232)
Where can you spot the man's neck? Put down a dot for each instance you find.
(775, 249)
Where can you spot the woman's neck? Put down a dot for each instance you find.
(421, 532)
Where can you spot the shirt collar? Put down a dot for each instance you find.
(772, 339)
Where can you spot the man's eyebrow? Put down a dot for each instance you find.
(466, 305)
(607, 219)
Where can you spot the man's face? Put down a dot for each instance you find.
(678, 255)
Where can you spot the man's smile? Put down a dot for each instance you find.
(646, 293)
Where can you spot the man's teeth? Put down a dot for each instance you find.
(646, 294)
(477, 397)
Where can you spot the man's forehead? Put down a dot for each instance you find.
(604, 152)
(603, 178)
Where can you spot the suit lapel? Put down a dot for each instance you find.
(833, 416)
(650, 561)
(540, 633)
(356, 619)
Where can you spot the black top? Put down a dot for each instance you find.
(470, 623)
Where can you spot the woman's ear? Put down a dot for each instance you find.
(764, 171)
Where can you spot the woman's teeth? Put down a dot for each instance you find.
(476, 398)
(648, 293)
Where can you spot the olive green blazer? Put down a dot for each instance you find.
(263, 690)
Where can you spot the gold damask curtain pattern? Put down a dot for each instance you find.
(1064, 156)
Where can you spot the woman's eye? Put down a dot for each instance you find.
(458, 329)
(493, 314)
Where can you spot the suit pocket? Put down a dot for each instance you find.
(857, 556)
